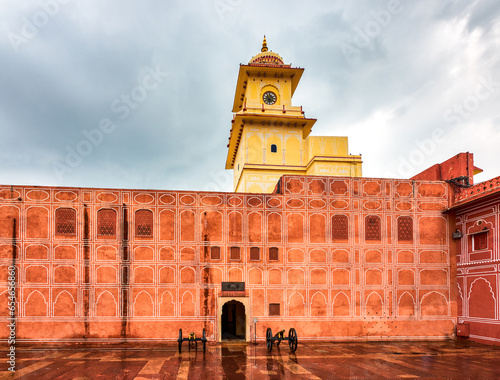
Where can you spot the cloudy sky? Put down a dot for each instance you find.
(138, 94)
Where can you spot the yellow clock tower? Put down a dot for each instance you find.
(270, 137)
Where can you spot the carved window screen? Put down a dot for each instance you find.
(106, 222)
(405, 228)
(66, 221)
(340, 227)
(144, 223)
(372, 228)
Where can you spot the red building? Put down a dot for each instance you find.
(477, 211)
(336, 258)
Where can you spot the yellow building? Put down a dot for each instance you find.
(270, 137)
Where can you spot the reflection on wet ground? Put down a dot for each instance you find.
(315, 360)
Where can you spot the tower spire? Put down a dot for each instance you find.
(264, 45)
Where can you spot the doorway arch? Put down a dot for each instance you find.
(233, 321)
(239, 326)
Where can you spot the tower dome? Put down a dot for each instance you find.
(266, 57)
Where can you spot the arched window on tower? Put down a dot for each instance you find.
(274, 148)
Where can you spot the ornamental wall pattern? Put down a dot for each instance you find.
(478, 270)
(140, 286)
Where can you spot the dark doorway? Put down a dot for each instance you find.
(233, 323)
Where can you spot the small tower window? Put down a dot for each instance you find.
(274, 148)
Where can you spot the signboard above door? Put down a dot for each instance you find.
(233, 289)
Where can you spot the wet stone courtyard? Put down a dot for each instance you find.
(312, 360)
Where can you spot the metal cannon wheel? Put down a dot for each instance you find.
(180, 340)
(269, 339)
(204, 340)
(292, 339)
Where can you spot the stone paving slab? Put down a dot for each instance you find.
(318, 360)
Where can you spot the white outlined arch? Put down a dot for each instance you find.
(260, 274)
(234, 270)
(341, 270)
(183, 274)
(370, 306)
(441, 295)
(134, 307)
(312, 275)
(413, 301)
(274, 273)
(193, 303)
(295, 270)
(318, 225)
(150, 275)
(212, 270)
(103, 293)
(341, 295)
(33, 293)
(406, 270)
(72, 300)
(100, 253)
(163, 301)
(166, 268)
(374, 270)
(36, 266)
(324, 302)
(101, 268)
(62, 267)
(291, 298)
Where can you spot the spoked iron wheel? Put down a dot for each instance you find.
(204, 341)
(180, 340)
(292, 339)
(269, 342)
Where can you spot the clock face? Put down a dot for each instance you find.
(269, 97)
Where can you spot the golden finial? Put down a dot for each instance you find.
(264, 45)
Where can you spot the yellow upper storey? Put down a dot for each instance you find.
(270, 137)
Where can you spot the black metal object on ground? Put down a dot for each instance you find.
(192, 341)
(279, 337)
